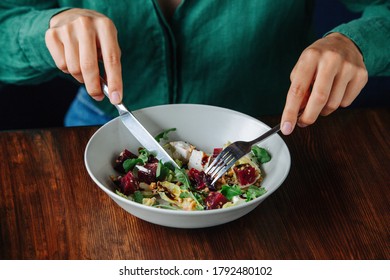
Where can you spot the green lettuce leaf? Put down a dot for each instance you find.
(129, 164)
(144, 155)
(261, 154)
(138, 197)
(231, 191)
(164, 135)
(164, 171)
(254, 192)
(182, 177)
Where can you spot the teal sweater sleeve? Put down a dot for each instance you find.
(371, 33)
(24, 56)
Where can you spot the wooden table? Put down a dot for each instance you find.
(333, 205)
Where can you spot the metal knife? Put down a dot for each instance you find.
(139, 131)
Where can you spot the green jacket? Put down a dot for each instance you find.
(232, 53)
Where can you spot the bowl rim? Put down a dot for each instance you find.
(180, 212)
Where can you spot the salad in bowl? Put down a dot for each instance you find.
(152, 189)
(146, 180)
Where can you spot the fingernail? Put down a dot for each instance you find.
(286, 128)
(115, 97)
(302, 125)
(98, 97)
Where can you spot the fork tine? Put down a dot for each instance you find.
(232, 153)
(222, 163)
(222, 171)
(214, 163)
(218, 160)
(225, 160)
(221, 159)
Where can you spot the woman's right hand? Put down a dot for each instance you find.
(77, 39)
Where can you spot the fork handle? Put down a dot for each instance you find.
(265, 135)
(273, 130)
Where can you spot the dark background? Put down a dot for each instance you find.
(44, 105)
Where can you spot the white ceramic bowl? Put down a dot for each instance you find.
(204, 126)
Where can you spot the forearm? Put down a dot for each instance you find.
(371, 33)
(24, 55)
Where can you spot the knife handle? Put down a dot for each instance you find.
(120, 107)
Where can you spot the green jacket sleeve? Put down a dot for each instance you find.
(371, 33)
(24, 56)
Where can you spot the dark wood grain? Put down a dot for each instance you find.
(334, 203)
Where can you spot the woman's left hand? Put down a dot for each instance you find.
(329, 74)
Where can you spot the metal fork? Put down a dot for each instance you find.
(232, 153)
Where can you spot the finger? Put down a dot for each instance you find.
(56, 49)
(319, 95)
(89, 63)
(111, 59)
(71, 50)
(336, 95)
(301, 79)
(354, 87)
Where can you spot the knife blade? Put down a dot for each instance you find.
(139, 131)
